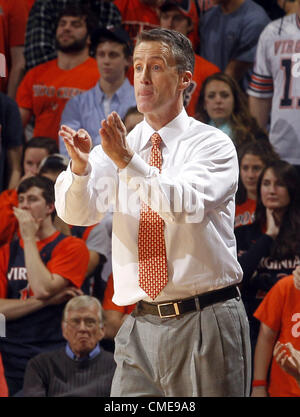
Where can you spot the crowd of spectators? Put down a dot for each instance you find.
(70, 63)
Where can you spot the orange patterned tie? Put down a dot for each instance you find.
(153, 272)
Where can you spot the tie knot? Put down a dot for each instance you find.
(155, 139)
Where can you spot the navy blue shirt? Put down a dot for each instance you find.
(36, 332)
(11, 132)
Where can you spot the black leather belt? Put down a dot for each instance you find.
(187, 305)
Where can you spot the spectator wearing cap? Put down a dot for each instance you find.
(113, 91)
(179, 17)
(182, 15)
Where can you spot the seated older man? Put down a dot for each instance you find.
(80, 369)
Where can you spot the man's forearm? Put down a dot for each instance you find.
(263, 357)
(260, 109)
(237, 69)
(14, 309)
(14, 158)
(39, 277)
(17, 70)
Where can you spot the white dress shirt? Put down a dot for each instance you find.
(194, 194)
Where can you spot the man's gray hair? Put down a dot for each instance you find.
(84, 301)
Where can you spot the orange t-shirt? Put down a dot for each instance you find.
(107, 302)
(46, 88)
(69, 259)
(13, 19)
(202, 70)
(280, 311)
(9, 223)
(244, 213)
(29, 4)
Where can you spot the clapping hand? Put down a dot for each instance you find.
(78, 144)
(114, 143)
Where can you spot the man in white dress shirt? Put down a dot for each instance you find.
(191, 336)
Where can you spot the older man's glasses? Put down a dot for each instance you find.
(76, 322)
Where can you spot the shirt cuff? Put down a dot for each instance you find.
(78, 181)
(137, 168)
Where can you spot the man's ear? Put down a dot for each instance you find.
(130, 63)
(101, 333)
(190, 27)
(186, 79)
(63, 329)
(51, 208)
(88, 41)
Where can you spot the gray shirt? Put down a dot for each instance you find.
(232, 36)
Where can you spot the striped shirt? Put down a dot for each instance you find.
(41, 26)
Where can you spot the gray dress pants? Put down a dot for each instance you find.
(199, 354)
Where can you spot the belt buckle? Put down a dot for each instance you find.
(176, 309)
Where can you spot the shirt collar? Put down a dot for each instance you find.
(91, 354)
(169, 133)
(120, 93)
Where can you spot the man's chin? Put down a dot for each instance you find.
(75, 46)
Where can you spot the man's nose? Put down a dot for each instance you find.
(68, 26)
(82, 325)
(145, 77)
(35, 169)
(106, 59)
(23, 205)
(168, 23)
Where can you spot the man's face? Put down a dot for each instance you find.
(32, 159)
(175, 20)
(157, 82)
(71, 34)
(111, 61)
(33, 201)
(82, 330)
